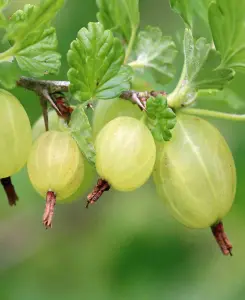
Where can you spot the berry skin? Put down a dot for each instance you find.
(125, 153)
(105, 111)
(56, 164)
(15, 135)
(58, 124)
(195, 173)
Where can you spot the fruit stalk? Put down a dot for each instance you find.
(9, 190)
(49, 209)
(222, 239)
(101, 187)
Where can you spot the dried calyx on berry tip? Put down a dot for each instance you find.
(49, 209)
(9, 190)
(222, 239)
(101, 187)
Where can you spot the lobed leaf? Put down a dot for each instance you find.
(131, 7)
(161, 119)
(156, 52)
(32, 18)
(95, 59)
(227, 21)
(189, 9)
(121, 16)
(212, 77)
(37, 55)
(184, 9)
(202, 69)
(81, 131)
(32, 39)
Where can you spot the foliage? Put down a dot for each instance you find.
(102, 61)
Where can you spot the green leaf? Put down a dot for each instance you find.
(9, 73)
(189, 9)
(161, 119)
(195, 53)
(95, 61)
(227, 21)
(37, 55)
(119, 16)
(211, 77)
(201, 65)
(184, 9)
(32, 18)
(81, 131)
(132, 9)
(156, 52)
(33, 41)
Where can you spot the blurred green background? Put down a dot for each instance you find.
(126, 246)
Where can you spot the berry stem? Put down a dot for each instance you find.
(49, 209)
(101, 187)
(44, 106)
(130, 44)
(222, 239)
(9, 190)
(213, 114)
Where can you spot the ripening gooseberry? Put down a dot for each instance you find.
(107, 110)
(56, 164)
(125, 153)
(195, 173)
(58, 124)
(15, 135)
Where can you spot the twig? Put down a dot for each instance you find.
(47, 88)
(37, 85)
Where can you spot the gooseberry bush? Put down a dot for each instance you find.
(119, 73)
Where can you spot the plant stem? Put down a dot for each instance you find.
(130, 44)
(45, 88)
(213, 114)
(7, 55)
(136, 65)
(36, 85)
(178, 96)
